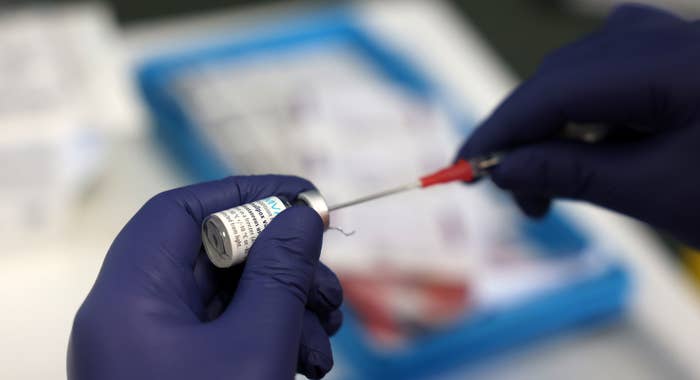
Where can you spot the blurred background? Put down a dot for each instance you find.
(84, 145)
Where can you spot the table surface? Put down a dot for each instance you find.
(43, 283)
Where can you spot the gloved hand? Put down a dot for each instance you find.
(160, 310)
(640, 75)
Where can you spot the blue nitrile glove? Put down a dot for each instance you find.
(640, 75)
(160, 310)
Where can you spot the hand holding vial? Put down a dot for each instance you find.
(160, 309)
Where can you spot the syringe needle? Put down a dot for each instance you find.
(366, 198)
(462, 170)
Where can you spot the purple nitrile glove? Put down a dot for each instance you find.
(640, 75)
(160, 310)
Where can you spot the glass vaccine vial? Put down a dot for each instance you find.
(228, 235)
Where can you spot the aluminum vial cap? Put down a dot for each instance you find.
(315, 200)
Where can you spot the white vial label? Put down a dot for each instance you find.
(242, 225)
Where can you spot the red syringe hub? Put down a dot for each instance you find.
(460, 171)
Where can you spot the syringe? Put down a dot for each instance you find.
(464, 170)
(227, 236)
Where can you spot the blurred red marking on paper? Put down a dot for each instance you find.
(394, 306)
